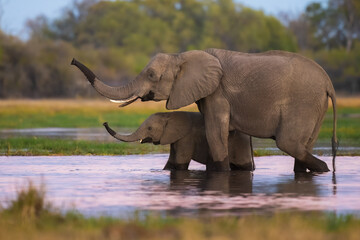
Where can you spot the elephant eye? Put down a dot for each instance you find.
(149, 128)
(151, 75)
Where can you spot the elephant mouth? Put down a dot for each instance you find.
(148, 97)
(146, 140)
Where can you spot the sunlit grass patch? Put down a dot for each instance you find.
(75, 113)
(15, 114)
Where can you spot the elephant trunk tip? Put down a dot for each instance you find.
(110, 131)
(86, 71)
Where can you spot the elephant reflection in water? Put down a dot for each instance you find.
(241, 182)
(232, 183)
(302, 184)
(185, 132)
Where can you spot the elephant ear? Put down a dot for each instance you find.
(178, 125)
(198, 76)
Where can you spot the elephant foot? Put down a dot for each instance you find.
(316, 165)
(222, 166)
(176, 166)
(299, 166)
(243, 167)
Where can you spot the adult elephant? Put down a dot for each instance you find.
(276, 94)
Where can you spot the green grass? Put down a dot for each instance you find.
(348, 125)
(70, 120)
(84, 113)
(44, 146)
(19, 114)
(30, 216)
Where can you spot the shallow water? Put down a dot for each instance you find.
(120, 185)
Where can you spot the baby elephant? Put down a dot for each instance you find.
(185, 132)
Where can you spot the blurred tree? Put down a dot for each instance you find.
(337, 24)
(117, 38)
(172, 26)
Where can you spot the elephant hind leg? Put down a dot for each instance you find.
(303, 158)
(299, 166)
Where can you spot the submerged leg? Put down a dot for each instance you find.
(240, 152)
(299, 166)
(179, 158)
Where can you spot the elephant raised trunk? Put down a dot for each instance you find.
(126, 94)
(125, 138)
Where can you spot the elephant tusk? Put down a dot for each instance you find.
(126, 102)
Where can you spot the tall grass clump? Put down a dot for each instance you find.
(30, 216)
(30, 202)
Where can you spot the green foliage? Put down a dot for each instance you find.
(329, 32)
(342, 67)
(148, 27)
(117, 38)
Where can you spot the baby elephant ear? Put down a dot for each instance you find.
(198, 76)
(178, 125)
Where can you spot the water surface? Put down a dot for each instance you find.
(120, 185)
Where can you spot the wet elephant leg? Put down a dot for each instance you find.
(299, 166)
(179, 158)
(303, 158)
(240, 152)
(295, 136)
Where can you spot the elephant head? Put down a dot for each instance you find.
(159, 128)
(181, 79)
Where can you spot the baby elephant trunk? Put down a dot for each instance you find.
(125, 138)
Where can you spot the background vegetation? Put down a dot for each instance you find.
(117, 38)
(19, 114)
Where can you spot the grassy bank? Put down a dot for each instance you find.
(75, 113)
(45, 147)
(35, 146)
(17, 114)
(29, 216)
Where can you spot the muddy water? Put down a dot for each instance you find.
(120, 185)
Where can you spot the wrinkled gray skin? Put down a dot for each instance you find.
(276, 94)
(185, 132)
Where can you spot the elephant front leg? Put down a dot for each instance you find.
(241, 152)
(216, 111)
(179, 158)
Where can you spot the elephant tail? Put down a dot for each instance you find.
(334, 140)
